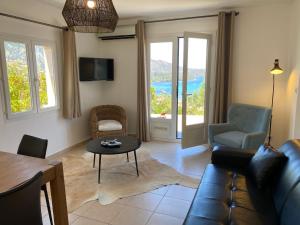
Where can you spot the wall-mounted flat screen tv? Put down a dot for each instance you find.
(93, 69)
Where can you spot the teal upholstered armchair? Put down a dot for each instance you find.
(246, 128)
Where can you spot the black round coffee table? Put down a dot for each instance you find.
(129, 144)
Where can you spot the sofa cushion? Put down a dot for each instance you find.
(229, 157)
(241, 216)
(290, 212)
(109, 125)
(265, 165)
(232, 138)
(225, 196)
(290, 174)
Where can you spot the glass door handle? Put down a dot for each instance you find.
(189, 94)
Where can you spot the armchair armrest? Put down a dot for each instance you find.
(214, 129)
(232, 158)
(254, 140)
(93, 123)
(123, 120)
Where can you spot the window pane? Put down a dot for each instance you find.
(196, 80)
(18, 76)
(44, 62)
(161, 79)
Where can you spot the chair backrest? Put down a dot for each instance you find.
(110, 112)
(249, 118)
(33, 146)
(21, 205)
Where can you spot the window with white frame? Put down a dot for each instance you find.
(28, 75)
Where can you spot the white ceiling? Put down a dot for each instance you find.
(151, 8)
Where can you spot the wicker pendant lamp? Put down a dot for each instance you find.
(90, 16)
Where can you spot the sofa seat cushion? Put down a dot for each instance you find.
(227, 197)
(109, 125)
(233, 139)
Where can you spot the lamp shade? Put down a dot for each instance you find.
(276, 70)
(90, 16)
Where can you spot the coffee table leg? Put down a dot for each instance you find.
(127, 157)
(94, 160)
(99, 171)
(136, 164)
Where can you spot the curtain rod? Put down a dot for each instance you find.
(185, 18)
(32, 21)
(150, 21)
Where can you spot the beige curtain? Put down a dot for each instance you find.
(71, 95)
(223, 92)
(143, 130)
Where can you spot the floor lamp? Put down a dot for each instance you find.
(275, 71)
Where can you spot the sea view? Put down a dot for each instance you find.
(166, 87)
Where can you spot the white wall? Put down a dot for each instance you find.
(293, 81)
(262, 35)
(61, 133)
(123, 90)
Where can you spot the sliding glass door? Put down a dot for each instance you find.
(178, 87)
(161, 74)
(195, 89)
(162, 61)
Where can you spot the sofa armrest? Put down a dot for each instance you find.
(254, 140)
(232, 158)
(215, 129)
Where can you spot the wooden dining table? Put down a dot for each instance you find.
(17, 169)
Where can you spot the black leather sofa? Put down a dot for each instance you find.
(227, 195)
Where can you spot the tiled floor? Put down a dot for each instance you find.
(164, 206)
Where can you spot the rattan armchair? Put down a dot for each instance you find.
(108, 112)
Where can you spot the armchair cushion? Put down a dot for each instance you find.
(215, 129)
(109, 125)
(232, 138)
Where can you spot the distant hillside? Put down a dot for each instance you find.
(162, 71)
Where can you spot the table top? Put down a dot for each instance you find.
(16, 169)
(129, 144)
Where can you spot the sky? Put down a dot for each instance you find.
(197, 52)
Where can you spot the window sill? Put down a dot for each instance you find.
(30, 115)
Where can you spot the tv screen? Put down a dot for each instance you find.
(92, 69)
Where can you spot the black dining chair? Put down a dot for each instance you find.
(36, 147)
(22, 205)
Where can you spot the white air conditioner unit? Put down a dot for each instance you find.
(121, 32)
